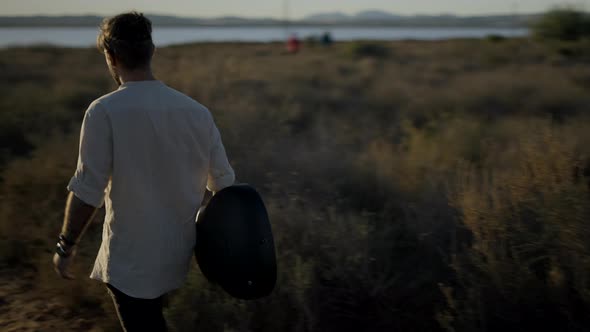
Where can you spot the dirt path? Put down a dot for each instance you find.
(24, 310)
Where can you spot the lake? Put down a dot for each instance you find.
(86, 36)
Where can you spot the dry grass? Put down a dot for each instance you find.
(412, 185)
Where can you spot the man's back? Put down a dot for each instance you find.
(164, 148)
(148, 152)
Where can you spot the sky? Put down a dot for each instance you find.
(275, 8)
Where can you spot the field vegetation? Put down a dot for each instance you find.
(412, 186)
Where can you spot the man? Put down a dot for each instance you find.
(147, 151)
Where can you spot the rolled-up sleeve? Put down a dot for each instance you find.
(94, 158)
(221, 174)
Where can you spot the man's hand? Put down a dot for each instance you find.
(77, 218)
(63, 265)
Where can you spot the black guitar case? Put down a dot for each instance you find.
(235, 246)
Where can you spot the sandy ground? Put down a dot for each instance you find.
(23, 310)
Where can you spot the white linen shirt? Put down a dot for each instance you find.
(148, 151)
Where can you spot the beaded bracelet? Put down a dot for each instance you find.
(67, 242)
(61, 251)
(60, 248)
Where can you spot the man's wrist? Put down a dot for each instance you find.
(64, 247)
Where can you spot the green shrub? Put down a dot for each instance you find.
(495, 38)
(369, 49)
(563, 24)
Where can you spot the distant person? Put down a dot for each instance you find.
(293, 44)
(148, 152)
(327, 39)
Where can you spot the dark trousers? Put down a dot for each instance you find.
(138, 314)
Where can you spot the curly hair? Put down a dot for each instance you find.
(128, 37)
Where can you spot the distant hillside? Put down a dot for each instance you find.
(49, 20)
(364, 18)
(159, 20)
(377, 17)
